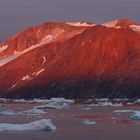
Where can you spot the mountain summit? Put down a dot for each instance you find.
(72, 60)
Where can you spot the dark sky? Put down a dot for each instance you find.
(15, 15)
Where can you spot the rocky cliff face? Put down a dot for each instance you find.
(73, 60)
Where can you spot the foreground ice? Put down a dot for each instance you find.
(44, 125)
(136, 115)
(88, 122)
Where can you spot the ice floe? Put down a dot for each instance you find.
(137, 101)
(88, 122)
(33, 111)
(135, 115)
(123, 111)
(7, 112)
(43, 125)
(56, 103)
(58, 100)
(106, 104)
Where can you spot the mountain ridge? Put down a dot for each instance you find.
(73, 62)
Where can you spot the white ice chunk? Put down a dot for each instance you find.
(44, 125)
(61, 100)
(137, 101)
(102, 100)
(123, 111)
(56, 103)
(88, 122)
(33, 111)
(7, 112)
(136, 115)
(107, 104)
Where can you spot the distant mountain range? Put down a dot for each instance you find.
(72, 60)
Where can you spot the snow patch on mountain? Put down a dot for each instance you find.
(135, 28)
(5, 60)
(46, 40)
(27, 77)
(39, 72)
(111, 24)
(49, 38)
(80, 24)
(13, 86)
(44, 60)
(3, 48)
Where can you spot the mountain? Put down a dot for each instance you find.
(72, 60)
